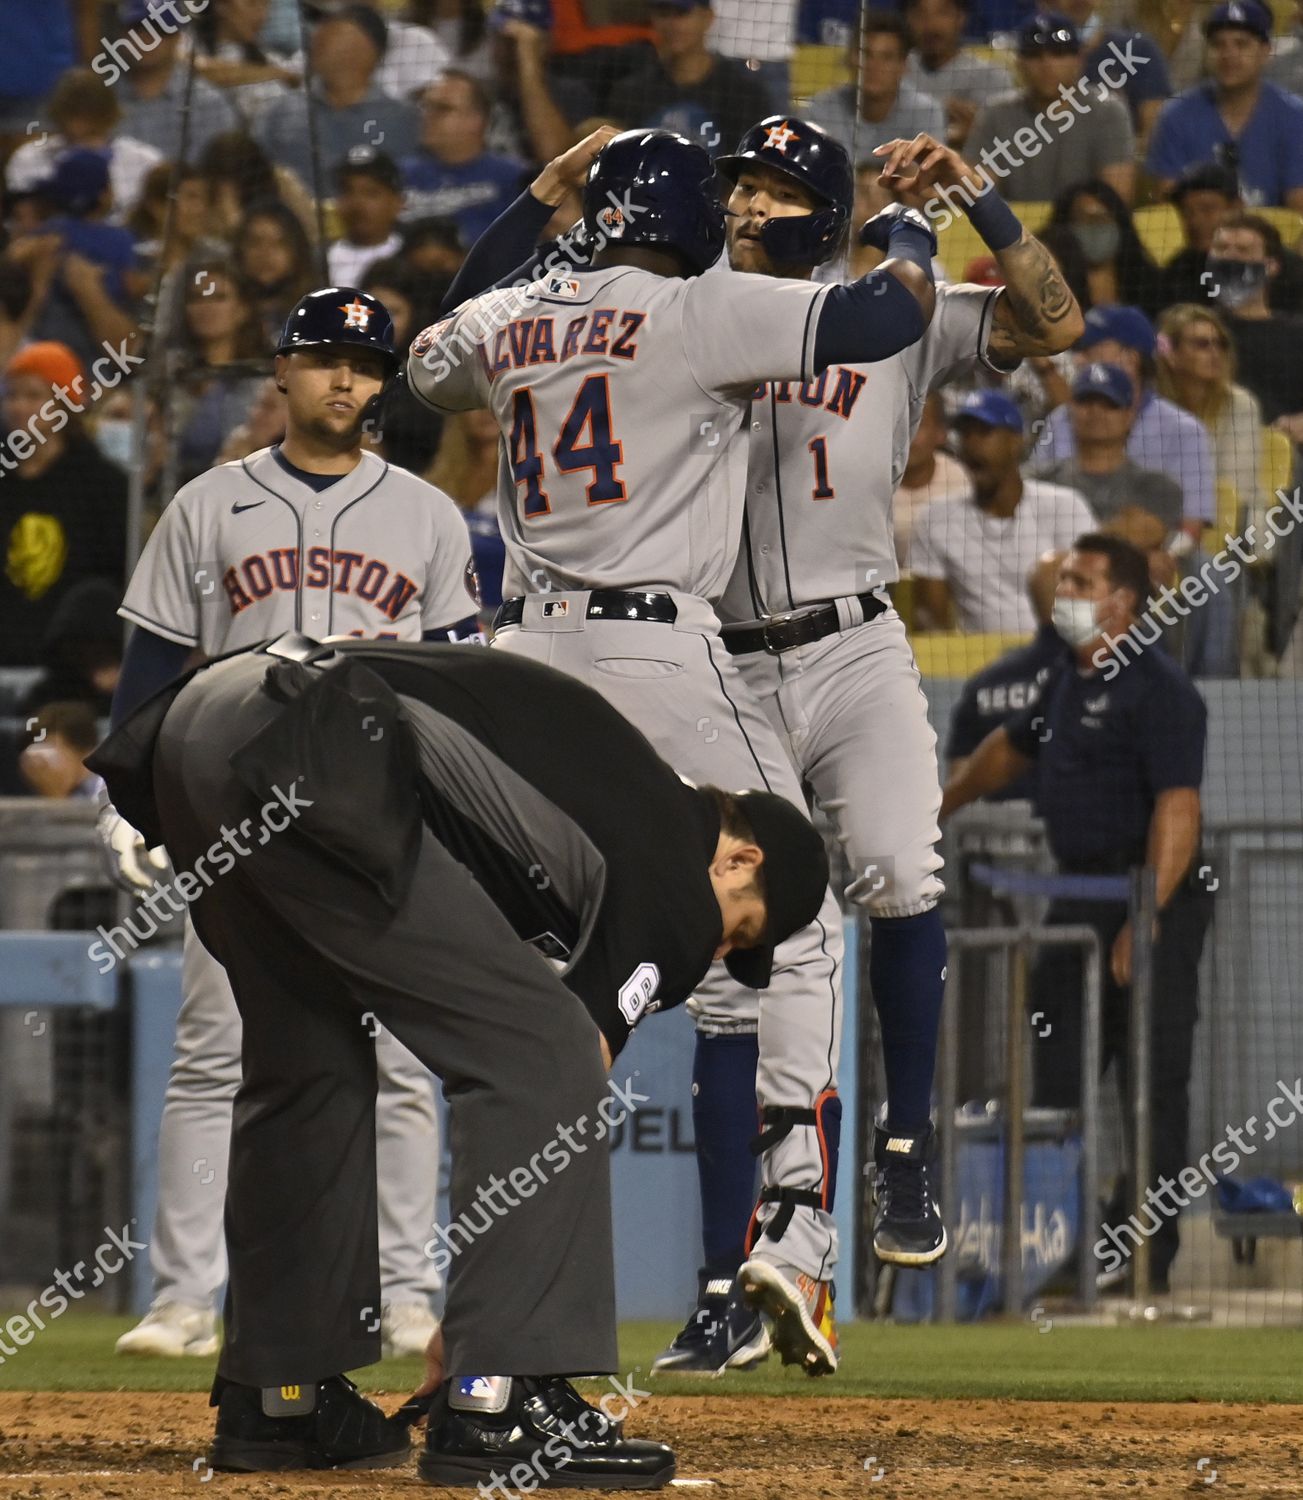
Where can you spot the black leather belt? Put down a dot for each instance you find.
(781, 633)
(603, 604)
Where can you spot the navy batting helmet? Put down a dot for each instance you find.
(653, 187)
(812, 157)
(340, 315)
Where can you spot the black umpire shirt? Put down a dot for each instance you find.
(1105, 750)
(591, 846)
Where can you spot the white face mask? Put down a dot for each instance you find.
(1075, 621)
(113, 439)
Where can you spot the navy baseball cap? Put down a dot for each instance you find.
(992, 409)
(366, 161)
(78, 180)
(1047, 31)
(795, 876)
(1107, 382)
(1125, 325)
(1240, 15)
(535, 12)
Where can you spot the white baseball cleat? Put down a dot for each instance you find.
(172, 1329)
(801, 1311)
(406, 1328)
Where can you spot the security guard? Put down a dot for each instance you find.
(1118, 738)
(407, 833)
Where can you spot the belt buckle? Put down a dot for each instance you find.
(775, 621)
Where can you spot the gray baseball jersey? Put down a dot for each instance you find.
(826, 457)
(247, 551)
(622, 398)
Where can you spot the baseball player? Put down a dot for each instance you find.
(321, 535)
(812, 632)
(623, 392)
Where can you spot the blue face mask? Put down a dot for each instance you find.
(113, 437)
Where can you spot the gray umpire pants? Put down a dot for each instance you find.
(187, 1252)
(533, 1290)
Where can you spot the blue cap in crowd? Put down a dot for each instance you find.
(1125, 325)
(1047, 31)
(535, 12)
(990, 408)
(1107, 382)
(77, 181)
(1242, 15)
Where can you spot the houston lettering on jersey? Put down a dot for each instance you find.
(537, 341)
(836, 388)
(368, 578)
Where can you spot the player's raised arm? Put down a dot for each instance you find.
(1036, 313)
(508, 250)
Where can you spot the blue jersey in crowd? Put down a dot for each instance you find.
(473, 194)
(1267, 153)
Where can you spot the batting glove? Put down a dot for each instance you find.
(878, 230)
(128, 863)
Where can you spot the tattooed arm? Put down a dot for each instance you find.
(1036, 313)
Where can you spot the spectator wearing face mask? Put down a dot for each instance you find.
(1113, 267)
(1268, 347)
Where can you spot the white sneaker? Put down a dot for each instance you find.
(406, 1328)
(172, 1329)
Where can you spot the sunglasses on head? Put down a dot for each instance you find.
(1058, 43)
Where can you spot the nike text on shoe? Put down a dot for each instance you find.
(801, 1311)
(530, 1432)
(722, 1333)
(170, 1330)
(907, 1227)
(324, 1426)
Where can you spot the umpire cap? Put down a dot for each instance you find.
(795, 875)
(809, 155)
(653, 187)
(340, 315)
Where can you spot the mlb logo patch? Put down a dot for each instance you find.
(562, 286)
(556, 608)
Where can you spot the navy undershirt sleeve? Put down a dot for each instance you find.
(149, 663)
(508, 246)
(871, 319)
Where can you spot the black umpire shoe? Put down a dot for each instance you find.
(907, 1227)
(326, 1426)
(529, 1432)
(722, 1333)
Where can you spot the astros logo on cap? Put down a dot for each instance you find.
(356, 314)
(778, 136)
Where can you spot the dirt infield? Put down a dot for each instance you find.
(123, 1445)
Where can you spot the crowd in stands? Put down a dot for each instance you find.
(176, 174)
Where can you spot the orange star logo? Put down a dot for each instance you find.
(777, 136)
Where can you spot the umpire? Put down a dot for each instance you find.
(1119, 751)
(417, 829)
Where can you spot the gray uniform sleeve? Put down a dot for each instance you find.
(955, 340)
(447, 598)
(445, 367)
(739, 329)
(171, 581)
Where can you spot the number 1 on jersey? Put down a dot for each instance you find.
(822, 489)
(590, 417)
